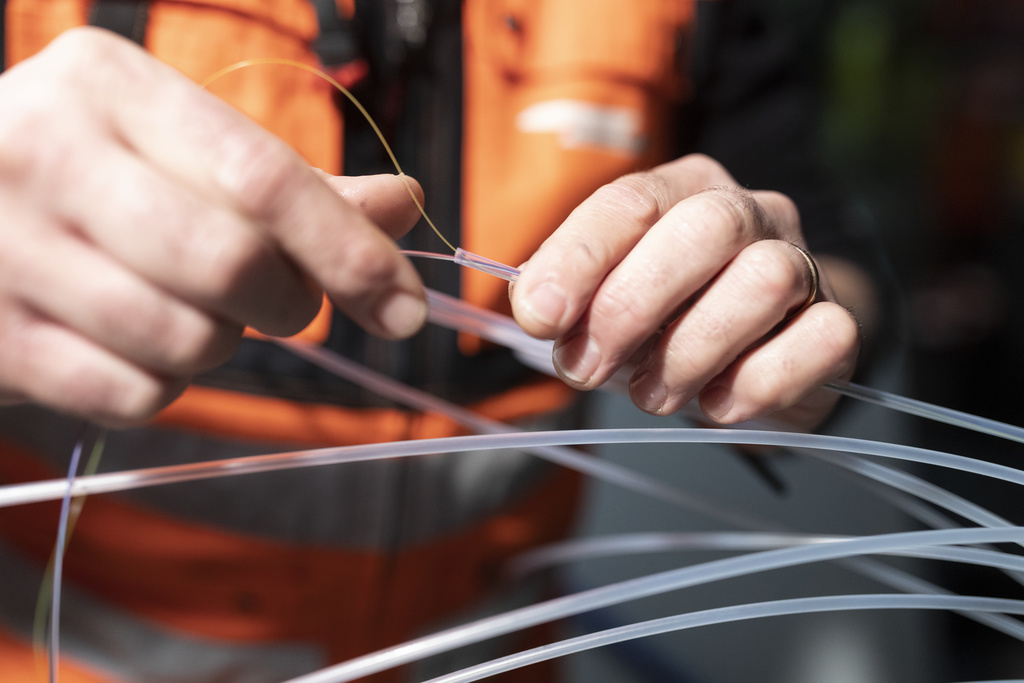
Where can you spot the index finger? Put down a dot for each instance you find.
(204, 143)
(560, 279)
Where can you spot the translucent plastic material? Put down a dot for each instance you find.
(389, 388)
(915, 486)
(468, 259)
(629, 544)
(721, 615)
(455, 314)
(486, 265)
(576, 550)
(927, 410)
(908, 583)
(117, 481)
(538, 356)
(53, 648)
(414, 398)
(19, 494)
(656, 584)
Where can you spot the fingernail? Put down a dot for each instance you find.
(716, 402)
(512, 283)
(401, 313)
(648, 392)
(546, 304)
(577, 361)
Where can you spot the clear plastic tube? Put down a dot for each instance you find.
(53, 648)
(399, 392)
(447, 311)
(923, 490)
(655, 584)
(721, 615)
(914, 508)
(579, 549)
(532, 354)
(913, 485)
(19, 494)
(912, 406)
(455, 314)
(125, 480)
(908, 583)
(468, 259)
(632, 544)
(428, 255)
(486, 265)
(599, 469)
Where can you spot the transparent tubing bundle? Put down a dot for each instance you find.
(891, 577)
(19, 494)
(118, 481)
(655, 584)
(721, 615)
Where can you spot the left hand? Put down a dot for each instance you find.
(698, 283)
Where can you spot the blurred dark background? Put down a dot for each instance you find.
(924, 124)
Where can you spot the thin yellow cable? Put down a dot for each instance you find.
(351, 98)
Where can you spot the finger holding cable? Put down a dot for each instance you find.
(760, 291)
(681, 271)
(783, 376)
(665, 272)
(563, 279)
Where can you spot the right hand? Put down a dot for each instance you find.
(144, 223)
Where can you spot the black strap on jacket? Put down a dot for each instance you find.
(3, 35)
(127, 18)
(336, 43)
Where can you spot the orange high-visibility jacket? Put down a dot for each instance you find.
(269, 576)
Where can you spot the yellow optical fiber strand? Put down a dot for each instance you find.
(351, 98)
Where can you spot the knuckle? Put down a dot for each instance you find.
(625, 312)
(738, 209)
(89, 55)
(685, 362)
(84, 40)
(81, 43)
(134, 401)
(589, 254)
(230, 259)
(258, 172)
(368, 265)
(639, 197)
(112, 394)
(767, 387)
(185, 342)
(767, 271)
(198, 348)
(782, 206)
(839, 333)
(35, 150)
(704, 164)
(707, 329)
(116, 400)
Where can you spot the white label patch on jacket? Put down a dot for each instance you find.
(585, 124)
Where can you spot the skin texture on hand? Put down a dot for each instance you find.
(697, 284)
(146, 223)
